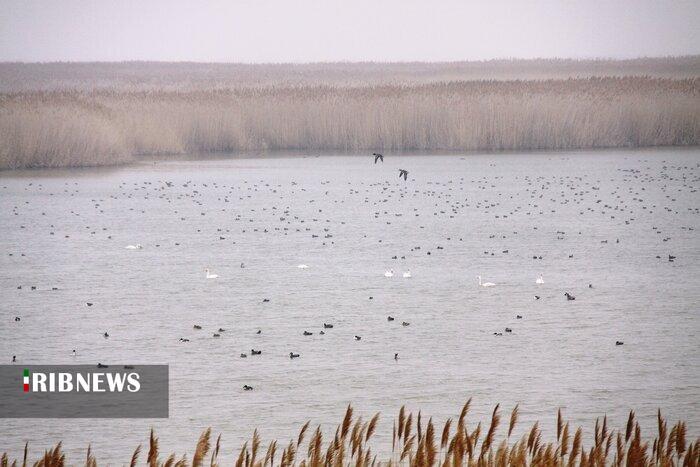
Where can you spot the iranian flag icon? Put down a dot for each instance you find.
(26, 380)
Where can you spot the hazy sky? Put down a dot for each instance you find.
(340, 30)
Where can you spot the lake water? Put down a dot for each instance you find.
(455, 217)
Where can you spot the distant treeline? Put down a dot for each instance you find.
(81, 127)
(184, 76)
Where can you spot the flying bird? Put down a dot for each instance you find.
(378, 157)
(403, 173)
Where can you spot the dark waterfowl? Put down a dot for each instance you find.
(403, 173)
(378, 157)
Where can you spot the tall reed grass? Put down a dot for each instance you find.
(183, 76)
(420, 443)
(78, 128)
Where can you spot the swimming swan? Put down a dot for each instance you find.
(539, 280)
(134, 247)
(389, 273)
(485, 284)
(303, 266)
(407, 274)
(210, 275)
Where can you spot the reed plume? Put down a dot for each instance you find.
(672, 449)
(135, 456)
(202, 448)
(514, 420)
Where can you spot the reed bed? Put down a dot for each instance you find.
(184, 76)
(103, 127)
(420, 443)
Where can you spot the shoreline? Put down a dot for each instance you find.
(149, 160)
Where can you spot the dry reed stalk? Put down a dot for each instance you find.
(407, 426)
(254, 447)
(630, 426)
(202, 448)
(445, 434)
(402, 415)
(532, 438)
(347, 420)
(564, 442)
(152, 450)
(372, 426)
(495, 419)
(667, 450)
(430, 451)
(513, 420)
(240, 460)
(408, 445)
(576, 447)
(215, 454)
(465, 409)
(135, 456)
(560, 423)
(302, 432)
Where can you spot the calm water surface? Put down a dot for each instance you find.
(349, 221)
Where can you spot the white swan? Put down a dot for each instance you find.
(407, 274)
(303, 266)
(389, 273)
(134, 247)
(210, 275)
(539, 280)
(485, 284)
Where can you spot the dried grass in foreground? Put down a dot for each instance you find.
(416, 442)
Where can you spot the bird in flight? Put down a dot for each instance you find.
(403, 173)
(378, 157)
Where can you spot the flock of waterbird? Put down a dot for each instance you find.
(624, 206)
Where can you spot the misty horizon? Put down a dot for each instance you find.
(308, 31)
(361, 62)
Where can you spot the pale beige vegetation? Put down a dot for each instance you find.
(183, 76)
(79, 125)
(420, 443)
